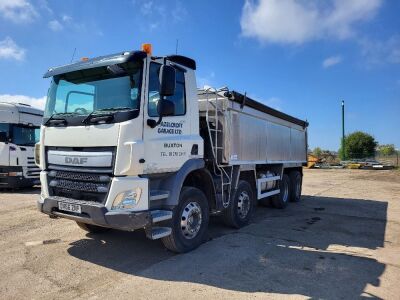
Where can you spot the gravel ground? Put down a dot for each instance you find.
(341, 241)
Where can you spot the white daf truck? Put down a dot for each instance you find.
(19, 131)
(128, 142)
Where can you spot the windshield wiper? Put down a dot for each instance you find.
(55, 119)
(114, 109)
(103, 114)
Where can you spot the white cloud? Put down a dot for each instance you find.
(55, 25)
(331, 61)
(205, 81)
(146, 8)
(44, 5)
(66, 18)
(274, 102)
(10, 50)
(158, 13)
(18, 11)
(297, 22)
(381, 52)
(35, 102)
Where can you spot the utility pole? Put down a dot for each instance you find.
(343, 141)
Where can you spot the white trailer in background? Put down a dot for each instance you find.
(128, 142)
(19, 131)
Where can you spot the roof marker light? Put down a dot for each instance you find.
(84, 58)
(147, 48)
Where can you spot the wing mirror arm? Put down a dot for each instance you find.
(153, 123)
(167, 88)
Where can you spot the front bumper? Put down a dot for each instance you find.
(96, 214)
(19, 181)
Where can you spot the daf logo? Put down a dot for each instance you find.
(76, 160)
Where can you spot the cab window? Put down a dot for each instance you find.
(154, 91)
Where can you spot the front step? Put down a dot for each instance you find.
(158, 195)
(156, 233)
(161, 215)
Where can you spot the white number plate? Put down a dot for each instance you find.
(69, 207)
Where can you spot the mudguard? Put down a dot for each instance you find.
(175, 182)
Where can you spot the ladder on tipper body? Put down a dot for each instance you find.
(213, 111)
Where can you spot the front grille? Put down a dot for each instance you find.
(79, 182)
(80, 176)
(79, 186)
(32, 170)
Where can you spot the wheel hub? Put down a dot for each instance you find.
(243, 205)
(191, 220)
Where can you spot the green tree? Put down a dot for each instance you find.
(317, 152)
(386, 150)
(358, 145)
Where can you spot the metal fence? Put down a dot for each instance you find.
(389, 160)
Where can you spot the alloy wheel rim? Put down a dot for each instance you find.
(243, 205)
(191, 220)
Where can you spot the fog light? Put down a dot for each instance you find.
(127, 200)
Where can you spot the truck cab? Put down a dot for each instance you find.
(19, 131)
(123, 146)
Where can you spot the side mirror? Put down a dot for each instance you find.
(3, 137)
(166, 108)
(167, 81)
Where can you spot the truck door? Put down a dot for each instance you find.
(168, 145)
(4, 148)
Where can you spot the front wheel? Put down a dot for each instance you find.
(189, 221)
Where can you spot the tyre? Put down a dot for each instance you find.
(241, 207)
(282, 199)
(189, 221)
(296, 180)
(92, 228)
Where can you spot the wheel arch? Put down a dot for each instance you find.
(174, 182)
(289, 170)
(202, 179)
(250, 177)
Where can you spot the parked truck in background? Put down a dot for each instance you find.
(19, 131)
(129, 142)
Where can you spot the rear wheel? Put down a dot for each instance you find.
(241, 208)
(296, 180)
(92, 228)
(282, 199)
(189, 221)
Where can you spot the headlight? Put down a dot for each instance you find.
(37, 154)
(127, 200)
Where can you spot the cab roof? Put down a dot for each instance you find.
(112, 59)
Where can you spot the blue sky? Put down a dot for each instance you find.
(301, 57)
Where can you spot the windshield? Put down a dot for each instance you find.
(24, 135)
(82, 93)
(5, 127)
(21, 134)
